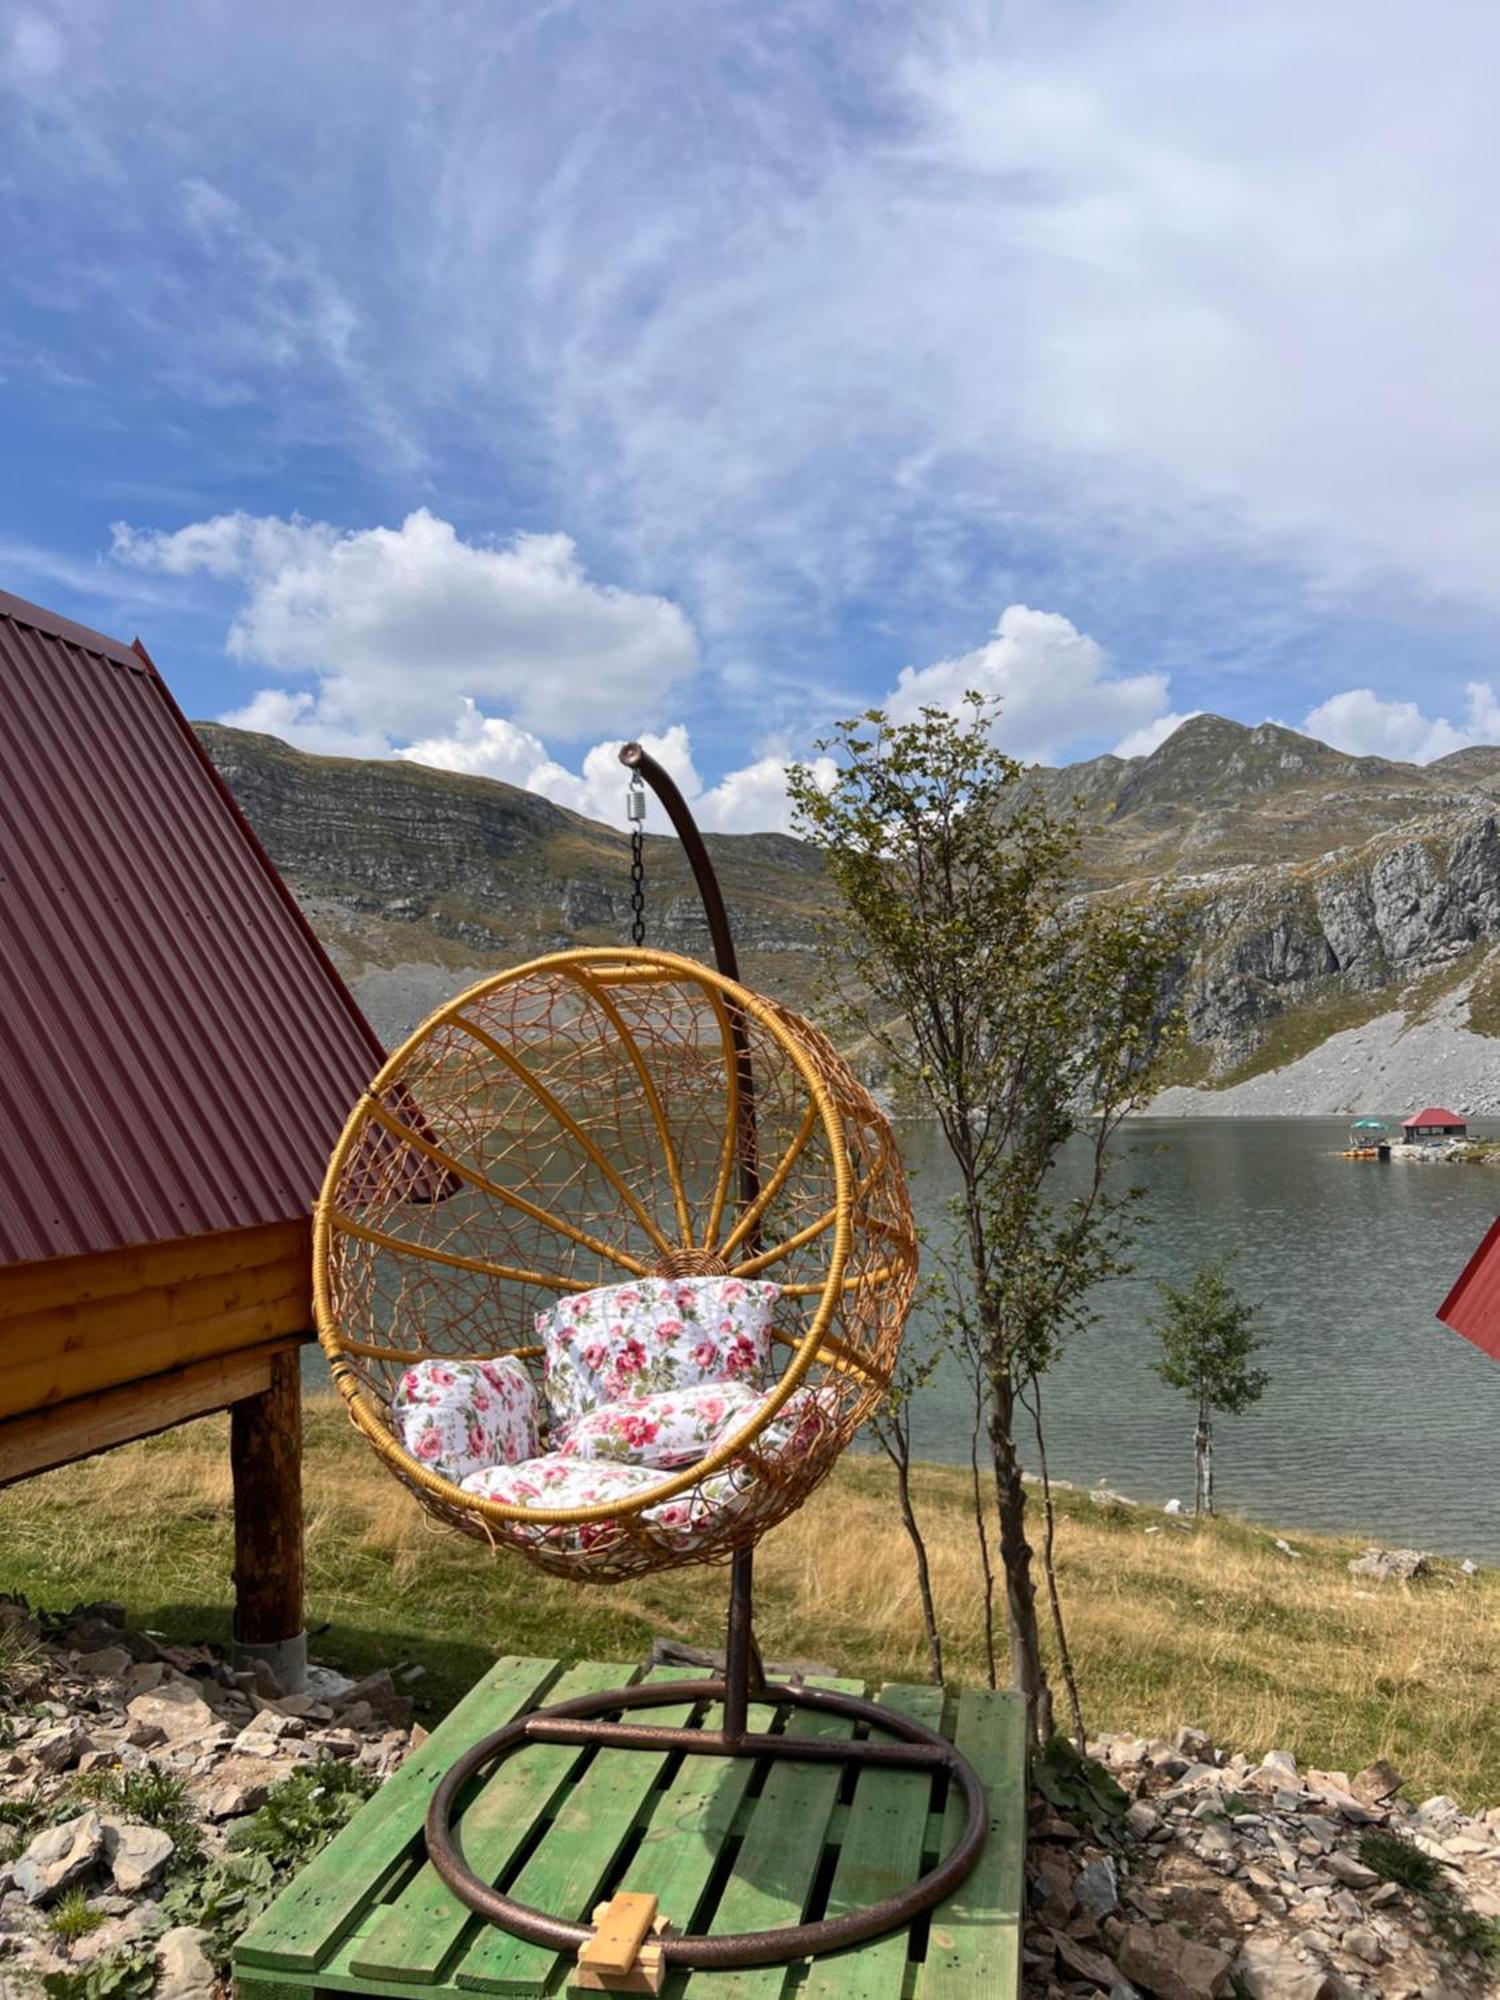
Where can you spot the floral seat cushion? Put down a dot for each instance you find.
(564, 1479)
(651, 1336)
(461, 1416)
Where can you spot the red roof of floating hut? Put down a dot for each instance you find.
(1434, 1123)
(1472, 1308)
(177, 1057)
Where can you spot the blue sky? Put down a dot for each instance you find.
(488, 382)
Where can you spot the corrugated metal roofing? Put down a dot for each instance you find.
(177, 1053)
(1472, 1308)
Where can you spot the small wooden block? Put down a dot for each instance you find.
(621, 1927)
(647, 1975)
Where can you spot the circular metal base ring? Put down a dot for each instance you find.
(697, 1949)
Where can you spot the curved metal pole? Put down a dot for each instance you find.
(743, 1671)
(634, 758)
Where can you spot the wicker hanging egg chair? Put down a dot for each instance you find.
(623, 1119)
(589, 1118)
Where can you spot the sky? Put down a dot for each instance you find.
(486, 383)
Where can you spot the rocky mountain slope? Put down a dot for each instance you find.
(1348, 908)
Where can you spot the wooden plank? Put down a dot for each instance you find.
(339, 1885)
(413, 1937)
(974, 1944)
(569, 1868)
(881, 1853)
(73, 1430)
(56, 1377)
(776, 1866)
(688, 1827)
(51, 1282)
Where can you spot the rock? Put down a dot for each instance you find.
(137, 1854)
(59, 1748)
(1390, 1565)
(1353, 1874)
(175, 1708)
(108, 1663)
(234, 1801)
(1079, 1962)
(183, 1969)
(1097, 1887)
(98, 1760)
(1280, 1766)
(1363, 1942)
(131, 1925)
(1143, 1820)
(378, 1693)
(1172, 1967)
(1269, 1969)
(1196, 1747)
(144, 1735)
(59, 1857)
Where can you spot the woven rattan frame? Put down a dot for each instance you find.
(587, 1117)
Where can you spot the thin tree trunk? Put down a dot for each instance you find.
(982, 1536)
(1027, 1674)
(1203, 1459)
(1049, 1571)
(901, 1459)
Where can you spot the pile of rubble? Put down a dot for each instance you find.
(1230, 1877)
(91, 1696)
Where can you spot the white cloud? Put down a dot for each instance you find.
(1369, 725)
(399, 626)
(1052, 681)
(1151, 735)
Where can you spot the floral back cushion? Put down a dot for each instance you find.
(650, 1336)
(459, 1416)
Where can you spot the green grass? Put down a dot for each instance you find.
(1209, 1625)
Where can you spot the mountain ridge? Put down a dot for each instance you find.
(1330, 890)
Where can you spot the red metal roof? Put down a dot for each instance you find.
(1472, 1308)
(1434, 1115)
(177, 1052)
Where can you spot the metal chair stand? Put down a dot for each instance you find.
(906, 1746)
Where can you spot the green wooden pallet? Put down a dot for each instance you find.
(725, 1846)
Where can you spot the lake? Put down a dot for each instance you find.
(1378, 1418)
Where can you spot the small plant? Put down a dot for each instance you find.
(1396, 1859)
(300, 1815)
(1078, 1787)
(151, 1797)
(304, 1811)
(71, 1917)
(123, 1975)
(19, 1820)
(1460, 1929)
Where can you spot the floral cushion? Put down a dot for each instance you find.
(670, 1429)
(555, 1481)
(460, 1416)
(650, 1336)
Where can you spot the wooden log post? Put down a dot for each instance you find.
(265, 1456)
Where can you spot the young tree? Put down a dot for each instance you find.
(1022, 1012)
(1208, 1335)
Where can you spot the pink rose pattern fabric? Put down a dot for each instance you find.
(459, 1416)
(561, 1479)
(674, 1428)
(650, 1336)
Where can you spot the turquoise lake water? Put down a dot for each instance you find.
(1377, 1419)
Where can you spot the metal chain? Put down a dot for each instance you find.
(635, 810)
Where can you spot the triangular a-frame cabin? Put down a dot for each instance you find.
(177, 1056)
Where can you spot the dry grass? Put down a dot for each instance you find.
(1210, 1625)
